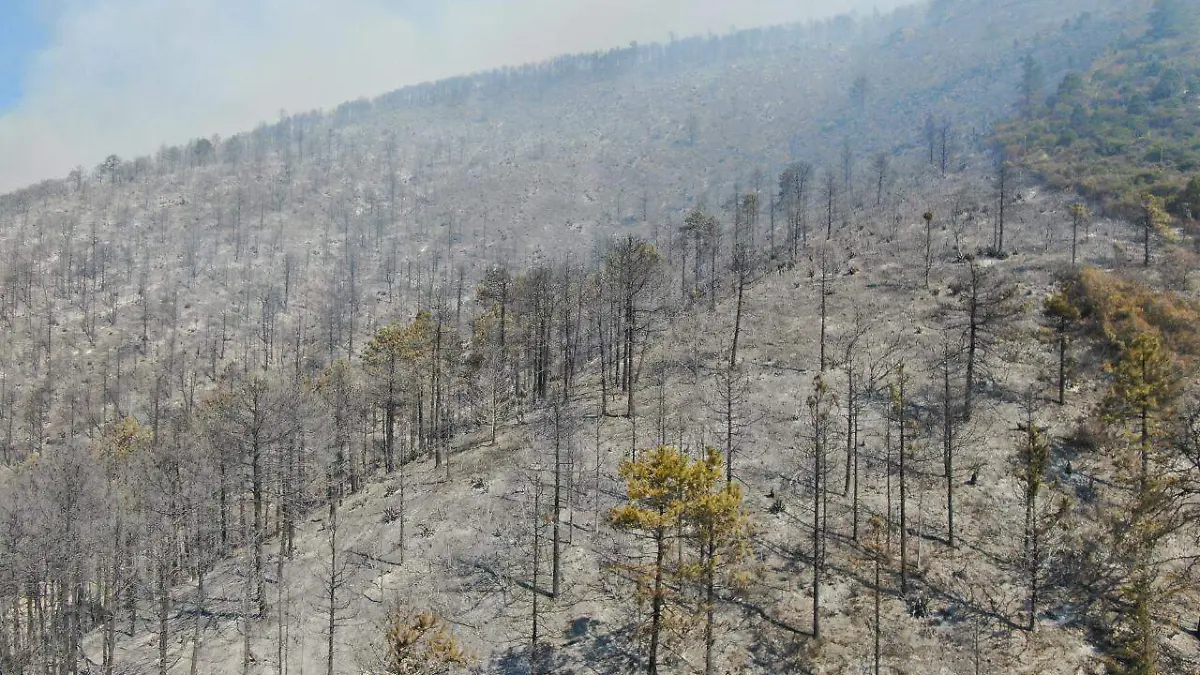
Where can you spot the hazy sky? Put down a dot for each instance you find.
(80, 79)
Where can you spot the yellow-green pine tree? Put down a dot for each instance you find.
(1144, 382)
(1059, 312)
(1155, 220)
(721, 529)
(671, 495)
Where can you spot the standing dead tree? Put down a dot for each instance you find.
(1003, 196)
(881, 166)
(928, 245)
(794, 186)
(869, 364)
(900, 405)
(820, 414)
(985, 304)
(1043, 512)
(632, 266)
(335, 576)
(850, 359)
(732, 388)
(825, 264)
(743, 275)
(951, 418)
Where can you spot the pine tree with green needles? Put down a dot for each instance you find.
(1059, 313)
(669, 496)
(1144, 383)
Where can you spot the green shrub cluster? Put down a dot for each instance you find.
(1128, 127)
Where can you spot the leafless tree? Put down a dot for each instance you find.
(794, 186)
(985, 305)
(336, 575)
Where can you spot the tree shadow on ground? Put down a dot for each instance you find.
(589, 647)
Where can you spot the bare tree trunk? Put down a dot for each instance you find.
(403, 506)
(878, 592)
(596, 482)
(164, 611)
(1149, 224)
(887, 473)
(854, 497)
(998, 243)
(903, 501)
(334, 579)
(656, 601)
(816, 405)
(603, 370)
(850, 440)
(555, 555)
(824, 306)
(247, 599)
(1062, 361)
(259, 533)
(1074, 237)
(972, 343)
(928, 245)
(534, 661)
(280, 610)
(630, 317)
(389, 420)
(737, 316)
(818, 485)
(435, 394)
(110, 629)
(948, 447)
(730, 385)
(710, 639)
(197, 629)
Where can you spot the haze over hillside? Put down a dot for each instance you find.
(743, 352)
(124, 76)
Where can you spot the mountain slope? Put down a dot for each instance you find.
(210, 348)
(1127, 126)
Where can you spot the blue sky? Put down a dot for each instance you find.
(82, 79)
(21, 35)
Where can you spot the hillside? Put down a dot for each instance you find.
(464, 548)
(1127, 126)
(267, 399)
(355, 211)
